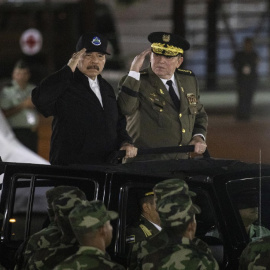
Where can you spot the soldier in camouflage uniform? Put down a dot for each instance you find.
(91, 225)
(47, 258)
(183, 250)
(256, 256)
(48, 236)
(141, 249)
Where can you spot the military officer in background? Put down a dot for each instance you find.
(91, 225)
(162, 102)
(148, 224)
(256, 255)
(20, 112)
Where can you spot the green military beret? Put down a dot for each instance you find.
(90, 216)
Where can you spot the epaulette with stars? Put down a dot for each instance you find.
(185, 71)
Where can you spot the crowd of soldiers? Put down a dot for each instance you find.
(80, 231)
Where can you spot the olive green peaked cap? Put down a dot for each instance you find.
(90, 216)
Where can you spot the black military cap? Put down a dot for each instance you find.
(168, 44)
(92, 42)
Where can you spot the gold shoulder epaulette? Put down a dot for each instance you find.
(145, 230)
(185, 71)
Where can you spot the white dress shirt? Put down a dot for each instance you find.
(96, 89)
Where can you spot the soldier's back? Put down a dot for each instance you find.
(180, 254)
(141, 249)
(88, 258)
(48, 258)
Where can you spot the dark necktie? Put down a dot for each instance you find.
(173, 95)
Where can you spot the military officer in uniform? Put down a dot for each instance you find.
(148, 224)
(162, 102)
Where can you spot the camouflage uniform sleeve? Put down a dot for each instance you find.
(256, 255)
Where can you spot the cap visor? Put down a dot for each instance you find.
(112, 215)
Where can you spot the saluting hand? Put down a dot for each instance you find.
(139, 59)
(74, 60)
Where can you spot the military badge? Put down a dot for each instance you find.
(166, 38)
(96, 41)
(191, 99)
(161, 91)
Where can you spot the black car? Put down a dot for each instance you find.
(218, 184)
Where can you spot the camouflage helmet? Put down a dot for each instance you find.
(90, 216)
(176, 210)
(170, 187)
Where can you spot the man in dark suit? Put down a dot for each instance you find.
(87, 124)
(162, 102)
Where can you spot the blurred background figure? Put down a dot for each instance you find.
(247, 203)
(15, 101)
(245, 64)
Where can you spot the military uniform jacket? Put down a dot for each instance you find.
(88, 258)
(140, 231)
(181, 253)
(152, 119)
(256, 255)
(83, 131)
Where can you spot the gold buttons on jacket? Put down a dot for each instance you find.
(161, 110)
(182, 89)
(183, 130)
(180, 115)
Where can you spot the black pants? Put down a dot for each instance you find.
(246, 90)
(27, 137)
